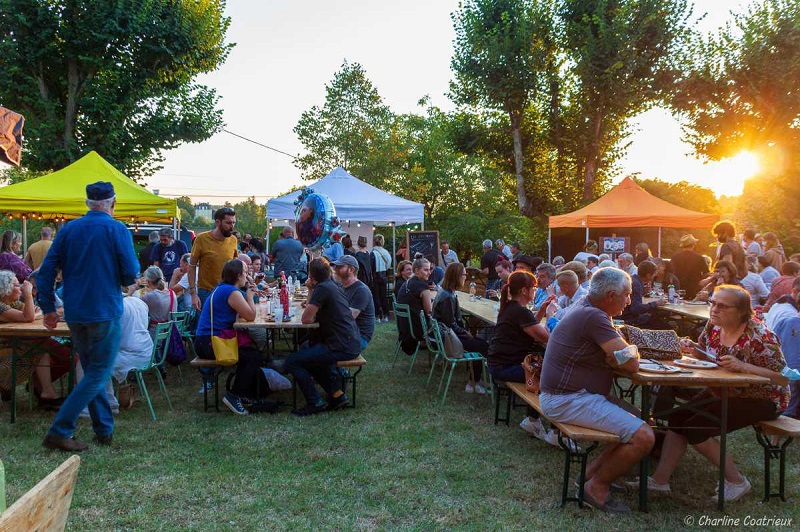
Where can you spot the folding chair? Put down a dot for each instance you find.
(157, 358)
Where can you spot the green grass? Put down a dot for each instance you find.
(398, 461)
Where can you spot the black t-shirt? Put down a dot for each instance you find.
(510, 343)
(489, 260)
(690, 267)
(337, 328)
(411, 294)
(737, 254)
(359, 297)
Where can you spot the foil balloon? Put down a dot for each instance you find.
(315, 222)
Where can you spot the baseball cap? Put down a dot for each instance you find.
(346, 260)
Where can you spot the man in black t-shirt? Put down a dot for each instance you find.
(688, 266)
(358, 295)
(730, 249)
(488, 261)
(416, 294)
(338, 339)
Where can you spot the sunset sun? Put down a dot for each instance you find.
(729, 175)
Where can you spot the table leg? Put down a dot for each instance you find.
(723, 440)
(13, 382)
(644, 463)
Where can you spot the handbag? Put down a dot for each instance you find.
(453, 347)
(226, 350)
(532, 366)
(127, 395)
(656, 345)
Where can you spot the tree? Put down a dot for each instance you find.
(115, 77)
(251, 217)
(620, 54)
(185, 203)
(501, 49)
(353, 129)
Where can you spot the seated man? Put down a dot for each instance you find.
(358, 295)
(503, 269)
(415, 293)
(526, 263)
(546, 276)
(785, 307)
(571, 292)
(337, 339)
(638, 313)
(577, 376)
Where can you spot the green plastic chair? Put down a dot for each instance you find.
(157, 358)
(433, 339)
(403, 312)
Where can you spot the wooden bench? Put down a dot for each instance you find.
(766, 432)
(358, 362)
(46, 505)
(217, 371)
(568, 435)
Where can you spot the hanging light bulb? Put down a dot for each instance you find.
(359, 224)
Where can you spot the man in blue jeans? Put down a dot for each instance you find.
(96, 257)
(336, 339)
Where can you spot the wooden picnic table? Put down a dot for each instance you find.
(273, 328)
(16, 334)
(719, 378)
(691, 311)
(483, 309)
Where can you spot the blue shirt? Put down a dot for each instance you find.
(788, 330)
(334, 252)
(168, 257)
(287, 253)
(224, 315)
(96, 257)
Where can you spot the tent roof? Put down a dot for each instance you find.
(63, 194)
(629, 205)
(354, 200)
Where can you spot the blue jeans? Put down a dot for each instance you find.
(318, 363)
(510, 373)
(97, 345)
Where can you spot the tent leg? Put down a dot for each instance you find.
(587, 234)
(549, 244)
(394, 244)
(24, 235)
(659, 241)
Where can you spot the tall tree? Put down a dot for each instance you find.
(502, 48)
(112, 76)
(620, 54)
(353, 129)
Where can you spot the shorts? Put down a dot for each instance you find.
(591, 410)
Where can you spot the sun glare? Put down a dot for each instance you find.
(729, 175)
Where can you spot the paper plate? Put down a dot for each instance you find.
(693, 363)
(649, 367)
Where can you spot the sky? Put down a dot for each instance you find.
(286, 51)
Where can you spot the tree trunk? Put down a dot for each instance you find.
(516, 135)
(70, 109)
(593, 151)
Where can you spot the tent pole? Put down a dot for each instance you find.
(394, 245)
(587, 235)
(423, 223)
(24, 235)
(659, 241)
(549, 244)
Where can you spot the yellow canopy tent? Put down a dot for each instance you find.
(61, 195)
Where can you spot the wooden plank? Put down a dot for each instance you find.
(783, 426)
(698, 312)
(482, 309)
(46, 505)
(358, 361)
(33, 330)
(697, 378)
(575, 432)
(294, 323)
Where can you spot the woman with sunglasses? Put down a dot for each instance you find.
(741, 344)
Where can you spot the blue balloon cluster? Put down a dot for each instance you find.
(315, 221)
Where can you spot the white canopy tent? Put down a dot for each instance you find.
(355, 202)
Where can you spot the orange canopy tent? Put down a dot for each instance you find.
(629, 205)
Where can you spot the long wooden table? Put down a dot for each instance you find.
(718, 378)
(695, 312)
(16, 334)
(483, 309)
(273, 327)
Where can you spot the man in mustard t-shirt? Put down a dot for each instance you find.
(210, 251)
(38, 251)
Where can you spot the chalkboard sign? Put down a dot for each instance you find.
(425, 242)
(615, 245)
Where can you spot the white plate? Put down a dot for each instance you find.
(697, 303)
(649, 367)
(693, 363)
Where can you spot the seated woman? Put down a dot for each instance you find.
(227, 303)
(180, 284)
(447, 311)
(415, 293)
(17, 306)
(160, 300)
(664, 277)
(724, 273)
(741, 344)
(518, 333)
(403, 274)
(10, 245)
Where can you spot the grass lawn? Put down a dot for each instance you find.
(398, 461)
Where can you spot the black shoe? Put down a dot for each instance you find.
(69, 445)
(308, 410)
(106, 439)
(338, 403)
(51, 405)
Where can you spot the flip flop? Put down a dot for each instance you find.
(611, 506)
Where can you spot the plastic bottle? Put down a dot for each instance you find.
(284, 297)
(672, 298)
(472, 291)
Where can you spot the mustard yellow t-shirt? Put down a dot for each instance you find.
(37, 252)
(210, 255)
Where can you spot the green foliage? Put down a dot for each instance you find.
(115, 77)
(185, 203)
(251, 217)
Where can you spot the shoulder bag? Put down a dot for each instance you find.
(226, 350)
(657, 345)
(532, 366)
(453, 347)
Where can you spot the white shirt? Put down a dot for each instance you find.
(446, 259)
(754, 284)
(777, 313)
(565, 302)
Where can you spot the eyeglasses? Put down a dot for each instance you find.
(721, 306)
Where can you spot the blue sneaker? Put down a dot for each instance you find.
(234, 404)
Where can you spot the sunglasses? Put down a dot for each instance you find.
(721, 306)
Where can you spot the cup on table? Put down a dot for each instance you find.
(681, 296)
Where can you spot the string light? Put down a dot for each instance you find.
(359, 224)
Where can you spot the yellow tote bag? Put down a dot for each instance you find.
(226, 350)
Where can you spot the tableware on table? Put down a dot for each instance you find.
(693, 363)
(653, 366)
(696, 303)
(712, 356)
(681, 296)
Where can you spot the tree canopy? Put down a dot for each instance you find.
(115, 77)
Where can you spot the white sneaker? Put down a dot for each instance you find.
(652, 485)
(551, 437)
(386, 319)
(470, 389)
(533, 427)
(206, 386)
(480, 390)
(734, 492)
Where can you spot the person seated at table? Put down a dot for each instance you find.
(581, 357)
(754, 284)
(592, 264)
(526, 263)
(782, 285)
(580, 270)
(639, 313)
(10, 260)
(403, 274)
(663, 277)
(359, 297)
(228, 304)
(625, 263)
(179, 283)
(337, 339)
(447, 311)
(418, 296)
(17, 306)
(437, 276)
(516, 335)
(503, 269)
(724, 273)
(785, 307)
(160, 300)
(766, 271)
(571, 292)
(546, 292)
(741, 344)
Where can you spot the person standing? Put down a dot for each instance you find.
(38, 250)
(447, 256)
(211, 250)
(488, 260)
(382, 261)
(96, 257)
(286, 253)
(688, 266)
(168, 252)
(729, 248)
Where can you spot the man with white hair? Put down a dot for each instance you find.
(571, 292)
(38, 250)
(625, 262)
(577, 376)
(503, 248)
